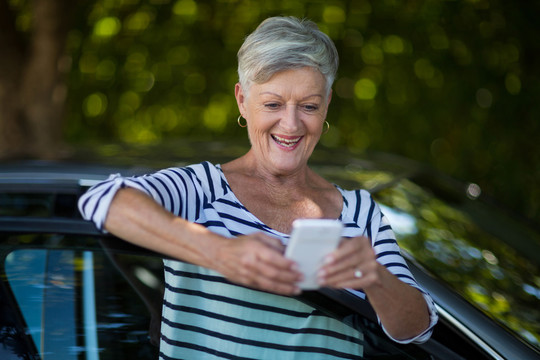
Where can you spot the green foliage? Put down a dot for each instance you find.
(450, 83)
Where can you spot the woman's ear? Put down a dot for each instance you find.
(329, 97)
(240, 98)
(328, 102)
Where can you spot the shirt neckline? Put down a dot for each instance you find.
(344, 208)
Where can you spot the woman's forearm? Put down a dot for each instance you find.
(252, 260)
(137, 218)
(402, 308)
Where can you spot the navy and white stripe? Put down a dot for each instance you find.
(207, 317)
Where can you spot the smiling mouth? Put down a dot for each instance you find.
(288, 143)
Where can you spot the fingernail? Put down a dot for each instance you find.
(328, 259)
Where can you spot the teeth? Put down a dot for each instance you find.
(286, 142)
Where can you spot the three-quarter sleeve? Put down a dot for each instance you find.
(171, 188)
(94, 204)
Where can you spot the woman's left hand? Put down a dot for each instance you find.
(400, 307)
(352, 265)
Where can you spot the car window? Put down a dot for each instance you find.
(91, 303)
(44, 204)
(19, 205)
(465, 246)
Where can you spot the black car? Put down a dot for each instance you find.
(69, 292)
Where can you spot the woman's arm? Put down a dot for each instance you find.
(255, 260)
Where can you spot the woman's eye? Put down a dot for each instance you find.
(271, 106)
(310, 107)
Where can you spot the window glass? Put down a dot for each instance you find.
(84, 304)
(14, 204)
(38, 204)
(468, 255)
(30, 290)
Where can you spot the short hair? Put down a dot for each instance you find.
(284, 43)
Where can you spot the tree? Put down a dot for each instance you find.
(449, 83)
(32, 87)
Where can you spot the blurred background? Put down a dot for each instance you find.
(453, 84)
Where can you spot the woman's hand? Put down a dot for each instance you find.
(352, 265)
(401, 308)
(257, 261)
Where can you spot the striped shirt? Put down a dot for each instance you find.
(205, 316)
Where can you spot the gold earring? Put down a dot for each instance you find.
(239, 121)
(327, 127)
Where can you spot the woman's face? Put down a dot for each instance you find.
(285, 117)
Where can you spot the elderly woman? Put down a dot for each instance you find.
(232, 295)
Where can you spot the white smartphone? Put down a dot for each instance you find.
(311, 240)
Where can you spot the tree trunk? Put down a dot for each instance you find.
(32, 88)
(11, 130)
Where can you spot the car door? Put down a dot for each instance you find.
(90, 296)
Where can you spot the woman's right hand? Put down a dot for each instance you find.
(254, 260)
(257, 261)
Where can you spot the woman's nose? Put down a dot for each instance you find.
(290, 120)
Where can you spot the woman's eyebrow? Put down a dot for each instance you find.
(269, 93)
(279, 96)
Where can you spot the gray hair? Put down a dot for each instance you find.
(284, 43)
